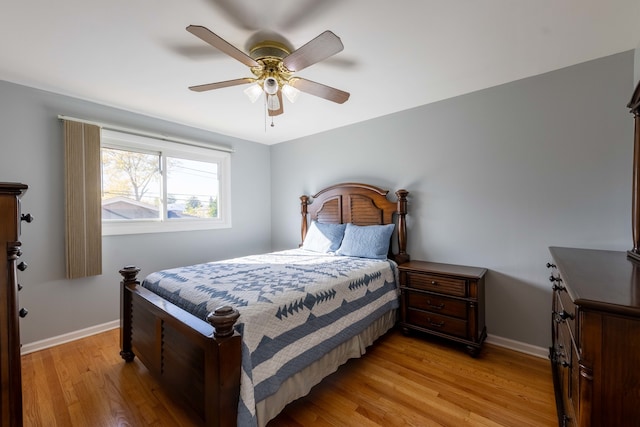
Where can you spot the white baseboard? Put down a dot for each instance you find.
(518, 346)
(71, 336)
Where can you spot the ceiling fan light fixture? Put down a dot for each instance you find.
(270, 86)
(253, 92)
(273, 103)
(290, 92)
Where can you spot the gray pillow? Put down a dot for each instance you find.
(368, 241)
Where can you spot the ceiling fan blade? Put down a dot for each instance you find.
(318, 89)
(219, 85)
(322, 47)
(221, 44)
(277, 106)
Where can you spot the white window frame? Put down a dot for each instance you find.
(126, 141)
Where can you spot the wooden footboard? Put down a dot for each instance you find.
(199, 362)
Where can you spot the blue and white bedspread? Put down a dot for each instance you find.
(295, 306)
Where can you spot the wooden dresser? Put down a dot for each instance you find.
(595, 351)
(10, 368)
(445, 300)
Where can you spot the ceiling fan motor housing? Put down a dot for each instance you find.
(268, 49)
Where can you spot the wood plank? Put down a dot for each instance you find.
(402, 380)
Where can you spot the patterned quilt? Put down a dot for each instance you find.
(295, 306)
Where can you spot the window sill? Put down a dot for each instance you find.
(143, 227)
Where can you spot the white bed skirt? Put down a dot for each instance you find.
(301, 383)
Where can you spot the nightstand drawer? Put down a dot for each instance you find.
(436, 304)
(435, 322)
(435, 283)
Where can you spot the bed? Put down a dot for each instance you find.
(230, 357)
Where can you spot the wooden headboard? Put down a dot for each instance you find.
(360, 204)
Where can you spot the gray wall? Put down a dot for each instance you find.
(32, 152)
(495, 177)
(636, 66)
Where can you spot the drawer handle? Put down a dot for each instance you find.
(553, 278)
(434, 283)
(434, 306)
(565, 315)
(435, 324)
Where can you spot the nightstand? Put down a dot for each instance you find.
(445, 300)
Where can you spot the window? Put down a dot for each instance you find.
(151, 185)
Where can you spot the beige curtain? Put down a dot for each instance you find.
(83, 242)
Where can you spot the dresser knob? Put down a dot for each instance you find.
(565, 364)
(19, 287)
(26, 217)
(22, 266)
(23, 312)
(565, 315)
(562, 316)
(549, 265)
(434, 283)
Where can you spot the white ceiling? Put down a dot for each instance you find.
(136, 54)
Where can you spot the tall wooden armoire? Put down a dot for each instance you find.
(10, 313)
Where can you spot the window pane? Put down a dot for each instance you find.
(131, 184)
(192, 189)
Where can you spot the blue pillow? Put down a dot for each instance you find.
(323, 237)
(369, 241)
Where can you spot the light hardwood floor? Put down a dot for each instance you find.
(401, 381)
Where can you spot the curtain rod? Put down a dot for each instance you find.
(148, 134)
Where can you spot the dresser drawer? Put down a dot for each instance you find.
(436, 304)
(435, 322)
(435, 283)
(565, 312)
(566, 366)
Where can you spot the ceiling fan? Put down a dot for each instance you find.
(273, 64)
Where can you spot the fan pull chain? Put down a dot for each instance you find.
(266, 109)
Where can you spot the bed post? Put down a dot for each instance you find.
(304, 201)
(129, 279)
(223, 318)
(222, 369)
(402, 226)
